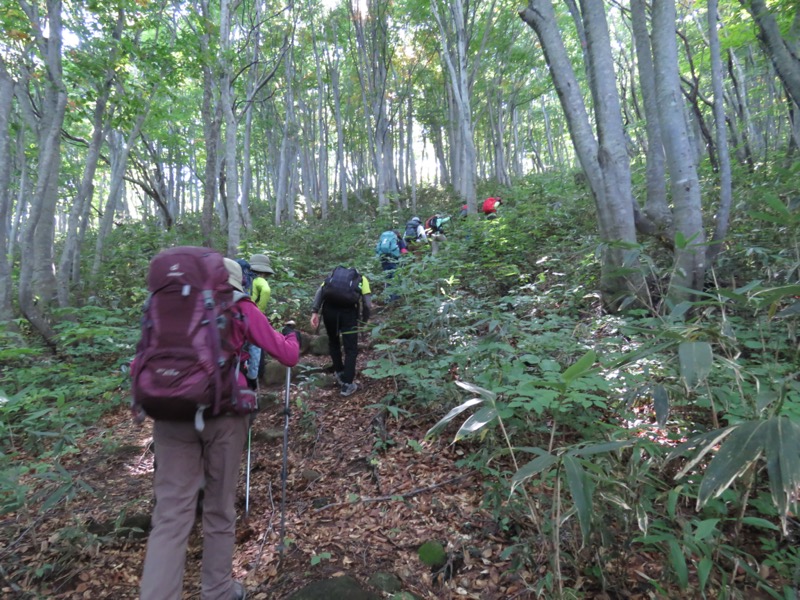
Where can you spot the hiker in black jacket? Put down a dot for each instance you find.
(339, 298)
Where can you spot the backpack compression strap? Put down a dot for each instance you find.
(216, 344)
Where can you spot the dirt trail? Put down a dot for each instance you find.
(364, 491)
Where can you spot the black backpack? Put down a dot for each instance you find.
(342, 287)
(411, 230)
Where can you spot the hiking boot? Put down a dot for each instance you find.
(238, 591)
(348, 389)
(338, 375)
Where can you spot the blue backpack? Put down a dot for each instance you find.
(387, 245)
(247, 275)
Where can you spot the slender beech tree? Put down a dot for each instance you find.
(70, 254)
(690, 251)
(603, 158)
(226, 96)
(455, 21)
(6, 97)
(656, 207)
(43, 99)
(780, 50)
(725, 177)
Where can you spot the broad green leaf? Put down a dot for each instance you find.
(600, 448)
(775, 294)
(703, 571)
(672, 500)
(790, 311)
(614, 499)
(759, 522)
(749, 287)
(583, 364)
(764, 398)
(704, 442)
(56, 497)
(742, 448)
(536, 466)
(454, 412)
(678, 563)
(705, 528)
(581, 490)
(480, 419)
(661, 404)
(782, 450)
(777, 205)
(695, 359)
(768, 217)
(680, 310)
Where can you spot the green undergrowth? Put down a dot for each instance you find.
(667, 431)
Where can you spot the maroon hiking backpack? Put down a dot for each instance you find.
(185, 367)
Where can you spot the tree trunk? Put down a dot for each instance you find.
(226, 101)
(119, 163)
(689, 271)
(36, 269)
(455, 38)
(374, 60)
(725, 184)
(212, 119)
(779, 50)
(656, 207)
(321, 164)
(6, 96)
(605, 160)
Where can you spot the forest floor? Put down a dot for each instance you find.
(364, 491)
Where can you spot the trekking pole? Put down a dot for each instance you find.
(281, 545)
(247, 480)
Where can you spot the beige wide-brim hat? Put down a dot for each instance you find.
(234, 274)
(260, 264)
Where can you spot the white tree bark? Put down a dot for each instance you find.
(374, 61)
(284, 201)
(36, 260)
(725, 177)
(70, 254)
(656, 207)
(689, 271)
(226, 102)
(786, 61)
(6, 96)
(604, 160)
(455, 39)
(119, 163)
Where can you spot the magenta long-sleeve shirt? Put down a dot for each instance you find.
(256, 329)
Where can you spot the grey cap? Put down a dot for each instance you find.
(260, 264)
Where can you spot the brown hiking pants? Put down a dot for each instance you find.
(185, 457)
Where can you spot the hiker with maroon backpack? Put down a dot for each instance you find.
(339, 298)
(188, 376)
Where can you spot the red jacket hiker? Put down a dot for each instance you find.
(490, 205)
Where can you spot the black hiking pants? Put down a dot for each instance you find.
(341, 323)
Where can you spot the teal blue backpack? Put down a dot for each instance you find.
(387, 245)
